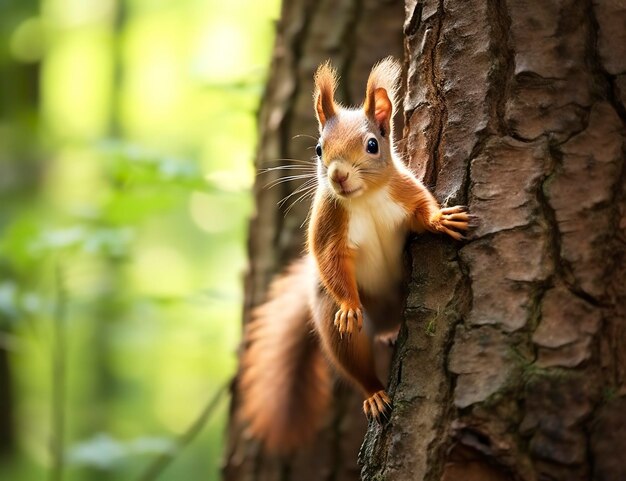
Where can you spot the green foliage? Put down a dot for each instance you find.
(130, 167)
(102, 451)
(127, 132)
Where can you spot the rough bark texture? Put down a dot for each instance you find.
(511, 363)
(353, 34)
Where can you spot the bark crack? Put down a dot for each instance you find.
(415, 20)
(439, 103)
(502, 72)
(593, 58)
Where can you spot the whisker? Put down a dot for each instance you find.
(291, 177)
(304, 135)
(312, 180)
(286, 167)
(366, 170)
(296, 160)
(296, 201)
(308, 216)
(307, 186)
(288, 178)
(309, 193)
(293, 204)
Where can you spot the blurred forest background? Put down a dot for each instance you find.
(127, 130)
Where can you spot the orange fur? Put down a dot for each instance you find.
(285, 383)
(323, 97)
(351, 355)
(328, 243)
(381, 93)
(348, 288)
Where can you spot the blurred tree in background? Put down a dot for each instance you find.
(127, 130)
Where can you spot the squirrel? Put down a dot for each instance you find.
(329, 305)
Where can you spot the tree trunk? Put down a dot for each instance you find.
(511, 364)
(353, 34)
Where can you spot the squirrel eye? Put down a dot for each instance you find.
(318, 150)
(372, 146)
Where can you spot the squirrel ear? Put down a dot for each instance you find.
(380, 95)
(382, 111)
(324, 96)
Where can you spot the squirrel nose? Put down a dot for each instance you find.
(339, 177)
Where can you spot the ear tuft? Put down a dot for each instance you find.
(324, 95)
(381, 93)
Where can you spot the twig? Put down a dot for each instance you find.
(57, 439)
(159, 465)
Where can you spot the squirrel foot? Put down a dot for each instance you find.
(451, 220)
(348, 320)
(378, 407)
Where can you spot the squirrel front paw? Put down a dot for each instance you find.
(348, 319)
(451, 220)
(378, 407)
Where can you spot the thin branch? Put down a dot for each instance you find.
(57, 352)
(154, 469)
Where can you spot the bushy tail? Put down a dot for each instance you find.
(285, 380)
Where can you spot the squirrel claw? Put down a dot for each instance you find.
(378, 407)
(451, 220)
(348, 320)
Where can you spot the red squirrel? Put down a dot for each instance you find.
(328, 306)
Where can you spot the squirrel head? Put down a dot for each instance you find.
(355, 150)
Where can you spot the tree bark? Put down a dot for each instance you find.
(510, 364)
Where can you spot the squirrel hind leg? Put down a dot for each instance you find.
(353, 357)
(378, 407)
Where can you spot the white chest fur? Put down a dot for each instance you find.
(377, 231)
